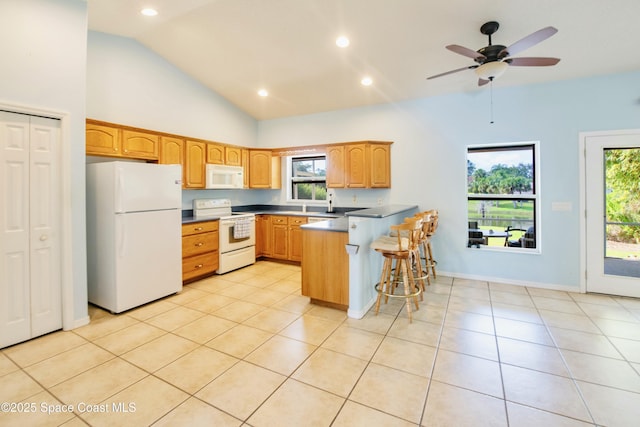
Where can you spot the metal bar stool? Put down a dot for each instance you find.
(400, 248)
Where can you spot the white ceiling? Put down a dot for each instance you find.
(236, 47)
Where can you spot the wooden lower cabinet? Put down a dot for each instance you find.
(200, 256)
(295, 238)
(263, 241)
(325, 267)
(279, 236)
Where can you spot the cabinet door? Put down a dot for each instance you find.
(171, 151)
(259, 169)
(232, 156)
(295, 238)
(140, 145)
(335, 167)
(215, 154)
(280, 237)
(356, 166)
(380, 165)
(194, 161)
(102, 140)
(263, 234)
(244, 153)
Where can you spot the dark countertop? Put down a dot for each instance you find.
(312, 211)
(340, 213)
(381, 211)
(189, 218)
(338, 224)
(187, 214)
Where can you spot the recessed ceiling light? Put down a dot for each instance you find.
(342, 41)
(149, 12)
(263, 93)
(366, 81)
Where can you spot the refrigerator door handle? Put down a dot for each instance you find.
(119, 189)
(122, 239)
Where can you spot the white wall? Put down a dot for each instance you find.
(429, 165)
(44, 68)
(130, 84)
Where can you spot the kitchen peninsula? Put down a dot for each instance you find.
(331, 276)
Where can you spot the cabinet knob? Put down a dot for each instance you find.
(199, 266)
(43, 237)
(199, 244)
(197, 229)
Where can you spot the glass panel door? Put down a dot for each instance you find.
(613, 214)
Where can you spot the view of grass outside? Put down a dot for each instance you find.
(622, 175)
(309, 178)
(501, 190)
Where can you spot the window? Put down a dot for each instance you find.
(308, 178)
(502, 196)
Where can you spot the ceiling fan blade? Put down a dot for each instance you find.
(471, 67)
(464, 51)
(482, 82)
(532, 62)
(527, 42)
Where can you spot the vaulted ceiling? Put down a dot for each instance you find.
(236, 47)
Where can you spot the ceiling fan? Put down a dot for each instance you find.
(494, 59)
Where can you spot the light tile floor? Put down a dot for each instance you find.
(247, 349)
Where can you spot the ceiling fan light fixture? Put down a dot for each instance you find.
(491, 70)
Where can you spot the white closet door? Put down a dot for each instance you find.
(44, 201)
(30, 294)
(14, 216)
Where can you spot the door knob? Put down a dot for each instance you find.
(43, 237)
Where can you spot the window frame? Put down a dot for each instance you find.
(534, 196)
(291, 180)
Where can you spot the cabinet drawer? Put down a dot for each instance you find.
(199, 227)
(297, 220)
(195, 244)
(280, 220)
(199, 265)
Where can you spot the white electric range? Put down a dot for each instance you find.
(237, 233)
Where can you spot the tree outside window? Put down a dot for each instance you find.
(501, 194)
(308, 178)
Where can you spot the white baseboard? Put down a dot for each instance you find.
(551, 286)
(359, 314)
(78, 323)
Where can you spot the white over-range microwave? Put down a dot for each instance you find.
(224, 176)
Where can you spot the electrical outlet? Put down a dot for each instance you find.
(379, 201)
(355, 199)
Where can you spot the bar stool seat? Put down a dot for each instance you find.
(401, 248)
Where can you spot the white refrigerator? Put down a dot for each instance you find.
(134, 247)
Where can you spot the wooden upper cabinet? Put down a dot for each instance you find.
(195, 155)
(244, 155)
(171, 151)
(380, 165)
(140, 145)
(356, 166)
(335, 166)
(233, 156)
(259, 168)
(215, 154)
(102, 140)
(276, 172)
